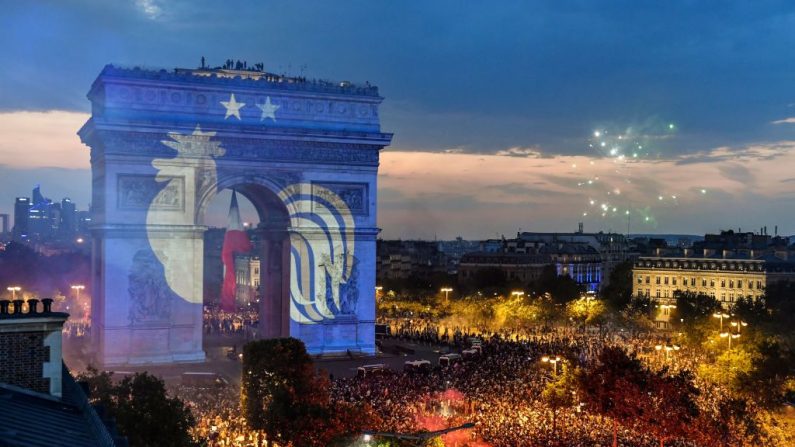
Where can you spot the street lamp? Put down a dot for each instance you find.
(730, 337)
(552, 361)
(720, 315)
(517, 293)
(14, 290)
(77, 288)
(446, 291)
(739, 325)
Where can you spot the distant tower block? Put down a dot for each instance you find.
(163, 143)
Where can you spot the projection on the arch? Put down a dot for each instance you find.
(323, 270)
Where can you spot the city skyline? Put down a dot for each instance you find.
(480, 148)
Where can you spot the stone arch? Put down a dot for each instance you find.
(261, 190)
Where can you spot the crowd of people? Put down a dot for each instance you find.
(219, 322)
(219, 421)
(502, 391)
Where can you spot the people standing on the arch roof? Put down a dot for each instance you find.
(235, 241)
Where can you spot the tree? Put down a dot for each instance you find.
(282, 395)
(586, 310)
(615, 386)
(618, 291)
(695, 313)
(562, 288)
(559, 393)
(143, 411)
(765, 379)
(670, 409)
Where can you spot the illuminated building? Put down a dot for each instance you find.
(727, 279)
(304, 153)
(21, 217)
(588, 258)
(246, 279)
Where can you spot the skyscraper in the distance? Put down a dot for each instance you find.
(21, 217)
(68, 225)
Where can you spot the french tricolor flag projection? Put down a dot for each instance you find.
(235, 241)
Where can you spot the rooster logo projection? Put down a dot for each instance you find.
(323, 265)
(195, 162)
(323, 270)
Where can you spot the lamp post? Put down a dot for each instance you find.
(739, 325)
(14, 290)
(517, 293)
(77, 288)
(730, 337)
(446, 291)
(552, 361)
(720, 315)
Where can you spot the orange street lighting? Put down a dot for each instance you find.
(552, 361)
(739, 325)
(14, 290)
(729, 336)
(446, 291)
(77, 288)
(517, 293)
(720, 315)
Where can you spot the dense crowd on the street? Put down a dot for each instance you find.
(219, 322)
(219, 421)
(502, 390)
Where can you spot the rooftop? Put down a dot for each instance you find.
(249, 77)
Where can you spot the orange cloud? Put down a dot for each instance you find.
(42, 139)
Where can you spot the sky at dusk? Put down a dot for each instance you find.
(499, 109)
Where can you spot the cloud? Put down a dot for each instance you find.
(689, 194)
(42, 139)
(790, 120)
(149, 8)
(528, 152)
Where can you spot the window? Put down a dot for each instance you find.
(673, 280)
(731, 283)
(712, 283)
(723, 296)
(658, 293)
(723, 283)
(648, 293)
(693, 282)
(666, 280)
(648, 280)
(703, 282)
(739, 283)
(658, 279)
(758, 284)
(640, 280)
(751, 285)
(731, 297)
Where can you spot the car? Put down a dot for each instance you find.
(450, 359)
(417, 366)
(369, 370)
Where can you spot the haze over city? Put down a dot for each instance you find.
(494, 110)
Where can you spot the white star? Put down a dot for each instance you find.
(232, 107)
(268, 109)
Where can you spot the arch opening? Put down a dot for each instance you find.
(247, 257)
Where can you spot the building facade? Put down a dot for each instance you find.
(725, 279)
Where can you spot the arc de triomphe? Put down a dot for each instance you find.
(305, 153)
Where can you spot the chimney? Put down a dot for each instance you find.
(30, 346)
